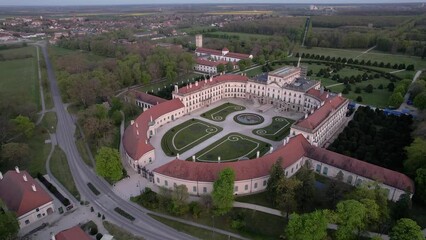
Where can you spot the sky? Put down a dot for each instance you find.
(118, 2)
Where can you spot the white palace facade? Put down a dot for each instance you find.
(282, 89)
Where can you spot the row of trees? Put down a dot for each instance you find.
(397, 97)
(343, 60)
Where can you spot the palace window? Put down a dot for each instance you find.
(318, 169)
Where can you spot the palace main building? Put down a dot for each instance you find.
(283, 89)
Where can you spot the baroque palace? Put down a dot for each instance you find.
(284, 90)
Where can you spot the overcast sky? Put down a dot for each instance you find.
(117, 2)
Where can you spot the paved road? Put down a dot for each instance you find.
(107, 200)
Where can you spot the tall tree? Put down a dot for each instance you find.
(311, 226)
(16, 152)
(416, 156)
(108, 164)
(406, 229)
(229, 67)
(305, 193)
(179, 205)
(24, 125)
(223, 192)
(285, 198)
(350, 216)
(421, 184)
(275, 174)
(9, 225)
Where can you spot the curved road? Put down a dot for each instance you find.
(143, 224)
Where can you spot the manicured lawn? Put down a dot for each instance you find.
(277, 130)
(187, 135)
(118, 232)
(258, 199)
(191, 230)
(254, 72)
(61, 171)
(232, 147)
(258, 225)
(372, 56)
(19, 78)
(158, 85)
(219, 114)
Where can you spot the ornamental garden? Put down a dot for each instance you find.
(252, 135)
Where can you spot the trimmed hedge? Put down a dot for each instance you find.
(53, 190)
(93, 189)
(124, 213)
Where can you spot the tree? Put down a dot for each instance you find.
(275, 174)
(369, 88)
(395, 99)
(24, 125)
(417, 87)
(350, 216)
(308, 226)
(179, 197)
(416, 153)
(229, 67)
(220, 68)
(108, 164)
(401, 209)
(359, 99)
(286, 195)
(16, 152)
(223, 192)
(406, 229)
(9, 225)
(391, 87)
(420, 101)
(421, 184)
(305, 193)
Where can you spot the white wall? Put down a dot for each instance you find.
(34, 215)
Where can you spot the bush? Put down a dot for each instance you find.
(93, 230)
(147, 199)
(124, 213)
(65, 201)
(93, 189)
(195, 209)
(359, 99)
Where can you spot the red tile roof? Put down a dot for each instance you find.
(134, 143)
(18, 194)
(361, 168)
(219, 53)
(295, 149)
(204, 62)
(74, 233)
(317, 93)
(316, 118)
(244, 169)
(216, 80)
(148, 98)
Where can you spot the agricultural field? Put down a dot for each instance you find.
(232, 147)
(19, 77)
(219, 114)
(277, 130)
(187, 135)
(254, 12)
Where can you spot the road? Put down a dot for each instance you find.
(143, 225)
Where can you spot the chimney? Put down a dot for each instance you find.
(34, 188)
(326, 96)
(306, 115)
(150, 118)
(211, 79)
(193, 158)
(196, 83)
(132, 122)
(177, 156)
(1, 176)
(137, 125)
(340, 94)
(146, 141)
(52, 236)
(25, 177)
(137, 132)
(271, 149)
(176, 89)
(257, 154)
(190, 85)
(218, 159)
(321, 90)
(17, 169)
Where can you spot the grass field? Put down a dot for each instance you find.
(156, 86)
(187, 135)
(192, 230)
(240, 36)
(61, 171)
(277, 130)
(258, 199)
(19, 78)
(372, 56)
(219, 114)
(232, 147)
(254, 12)
(118, 232)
